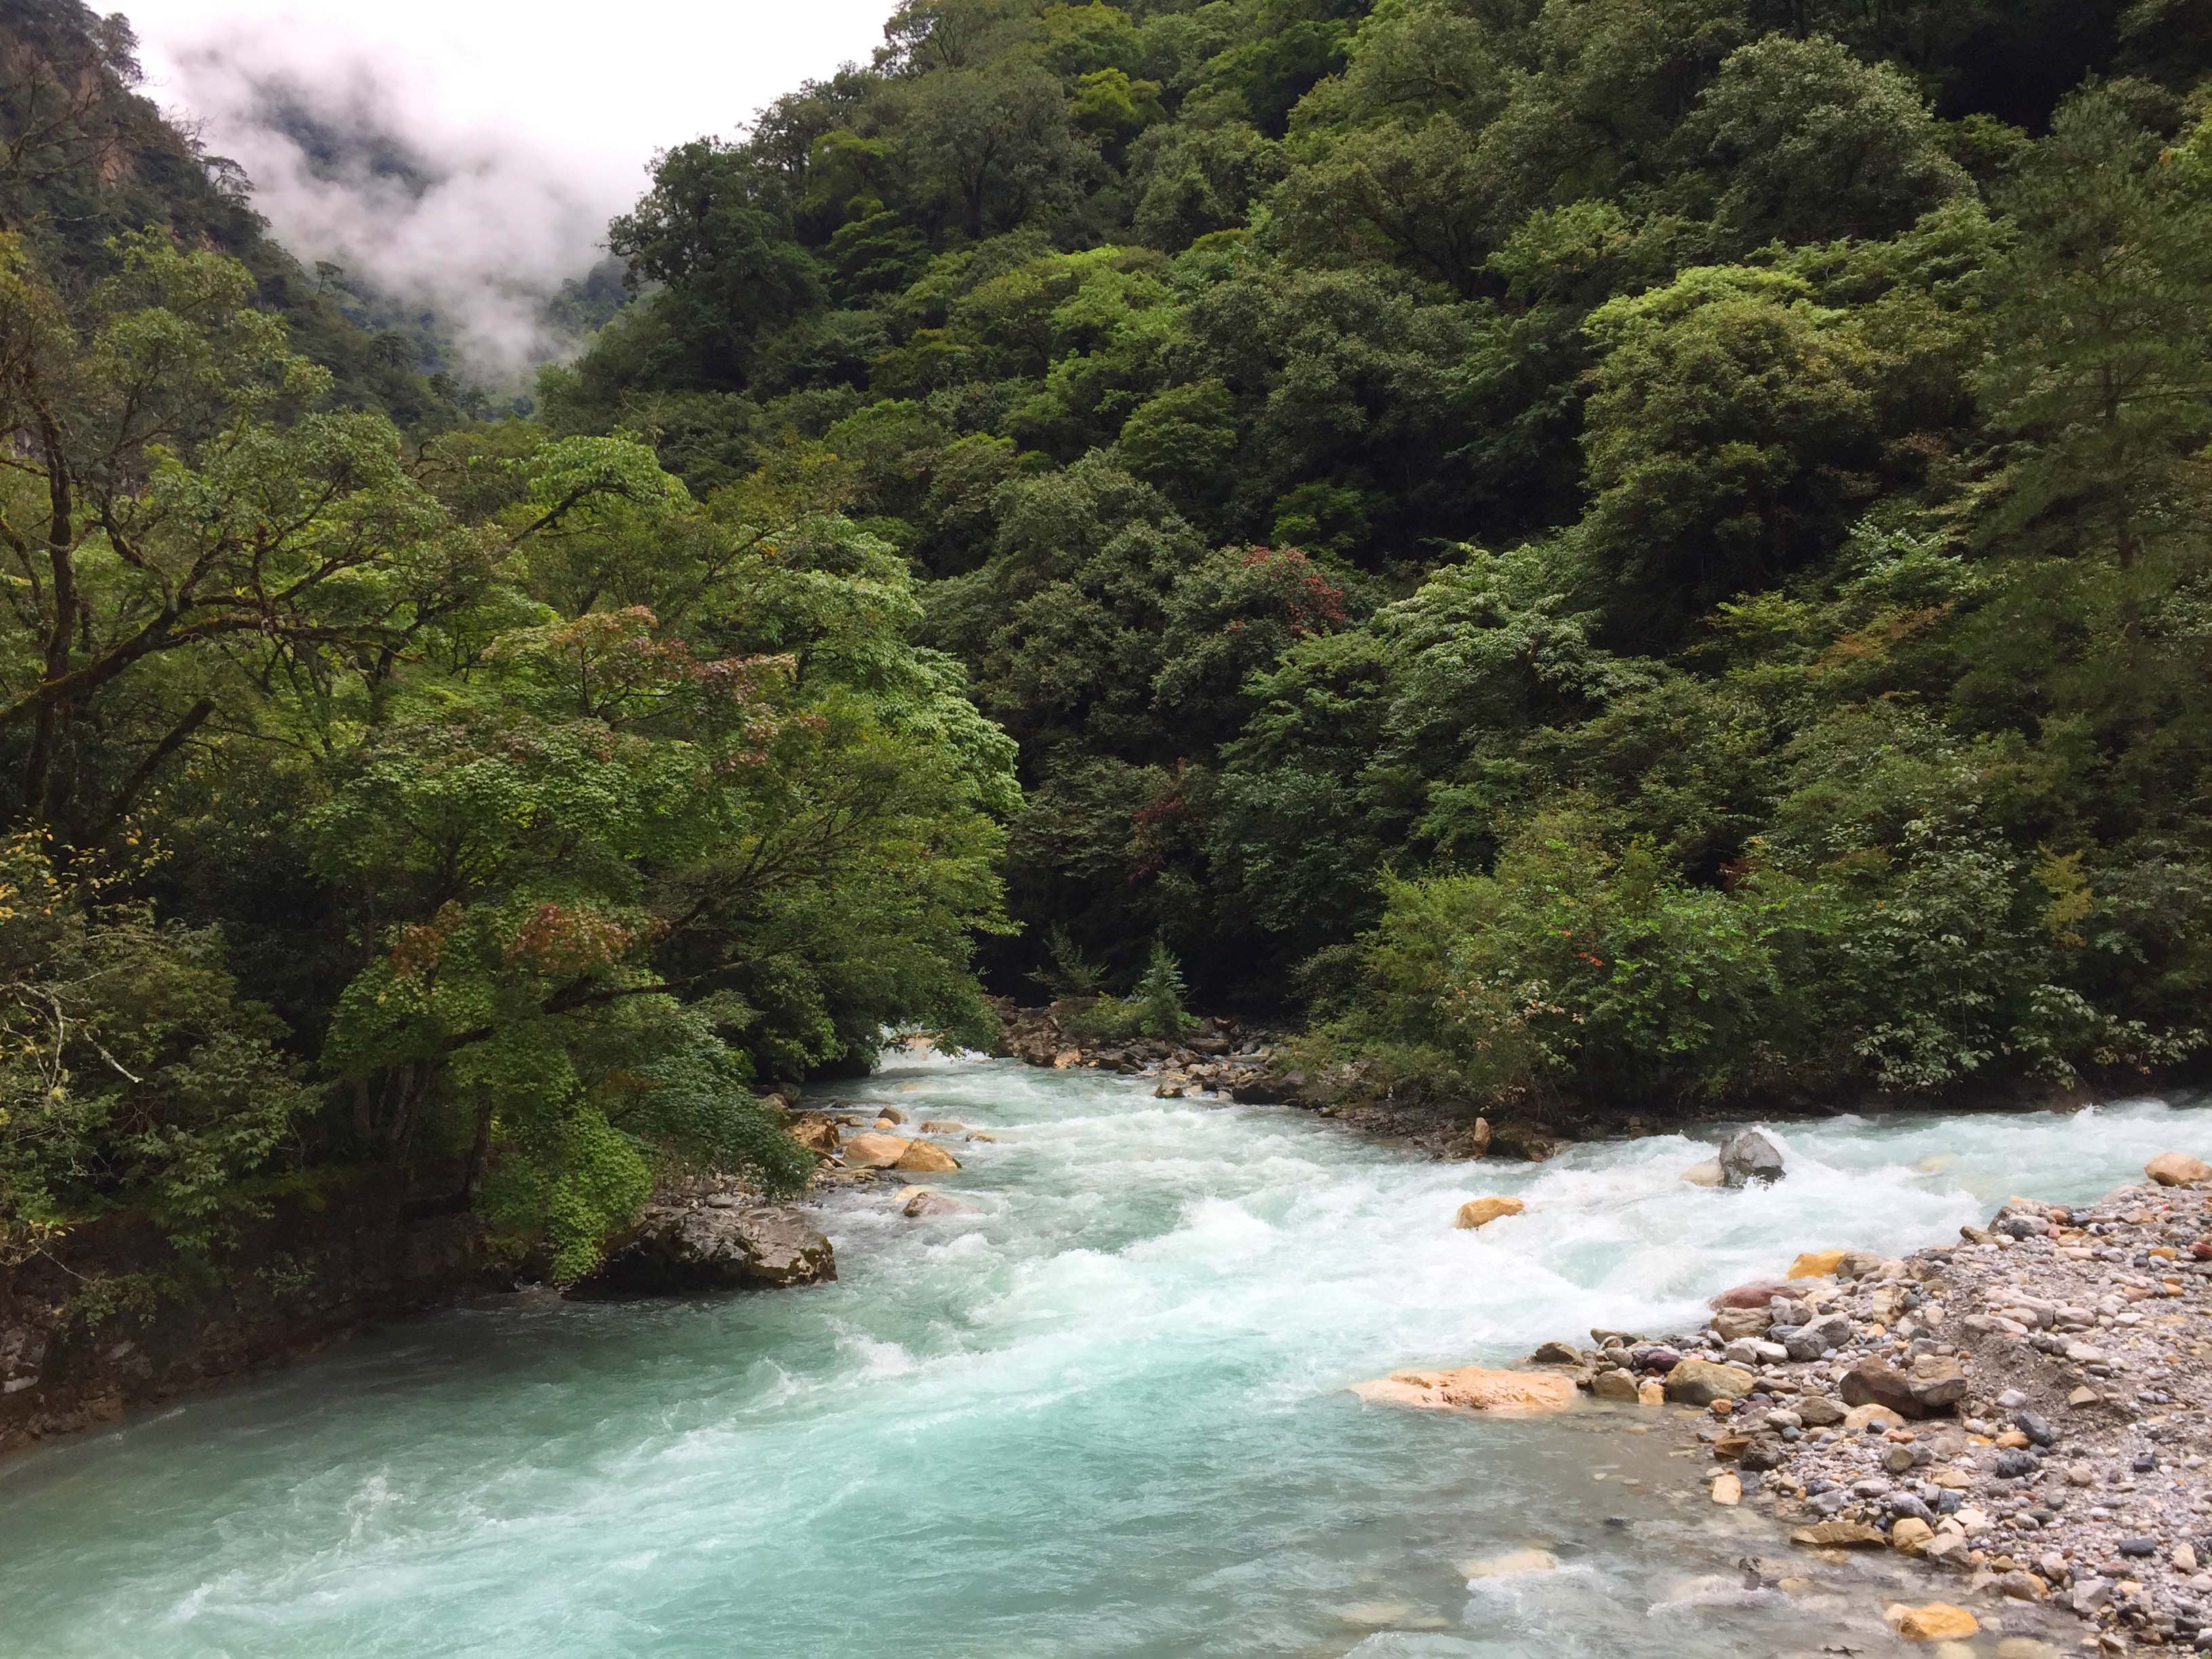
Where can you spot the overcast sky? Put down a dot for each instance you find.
(536, 118)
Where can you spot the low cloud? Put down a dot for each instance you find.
(465, 158)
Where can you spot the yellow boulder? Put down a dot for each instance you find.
(2178, 1169)
(1480, 1212)
(1472, 1388)
(1816, 1264)
(875, 1151)
(926, 1156)
(1937, 1621)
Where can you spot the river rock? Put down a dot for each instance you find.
(1473, 1388)
(874, 1152)
(1614, 1385)
(890, 1114)
(1810, 1341)
(938, 1125)
(1732, 1324)
(1727, 1490)
(1701, 1382)
(1817, 1410)
(1877, 1383)
(1481, 1211)
(1838, 1534)
(922, 1202)
(676, 1250)
(1938, 1383)
(1937, 1621)
(1749, 1155)
(1707, 1174)
(816, 1132)
(1757, 1294)
(1817, 1264)
(2178, 1169)
(924, 1156)
(1910, 1533)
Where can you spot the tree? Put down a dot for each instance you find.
(995, 144)
(2100, 373)
(1799, 140)
(715, 230)
(1732, 435)
(157, 509)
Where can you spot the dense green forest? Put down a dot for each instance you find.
(1621, 552)
(1607, 553)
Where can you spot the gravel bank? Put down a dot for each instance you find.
(2023, 1412)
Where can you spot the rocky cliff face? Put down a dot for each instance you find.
(114, 1318)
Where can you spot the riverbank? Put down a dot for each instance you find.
(2022, 1414)
(112, 1318)
(1226, 1058)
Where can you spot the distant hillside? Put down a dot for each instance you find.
(85, 157)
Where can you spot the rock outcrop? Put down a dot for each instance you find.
(708, 1247)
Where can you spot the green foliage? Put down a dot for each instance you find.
(600, 802)
(131, 1073)
(1155, 1003)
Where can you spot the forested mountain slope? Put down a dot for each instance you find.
(84, 157)
(1634, 550)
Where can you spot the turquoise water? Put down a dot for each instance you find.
(1103, 1415)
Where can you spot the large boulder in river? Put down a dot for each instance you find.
(1481, 1211)
(925, 1156)
(2178, 1169)
(1749, 1155)
(714, 1248)
(875, 1151)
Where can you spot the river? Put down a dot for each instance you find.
(1103, 1414)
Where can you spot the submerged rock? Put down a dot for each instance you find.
(1937, 1621)
(1472, 1388)
(1510, 1565)
(678, 1250)
(923, 1202)
(1707, 1174)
